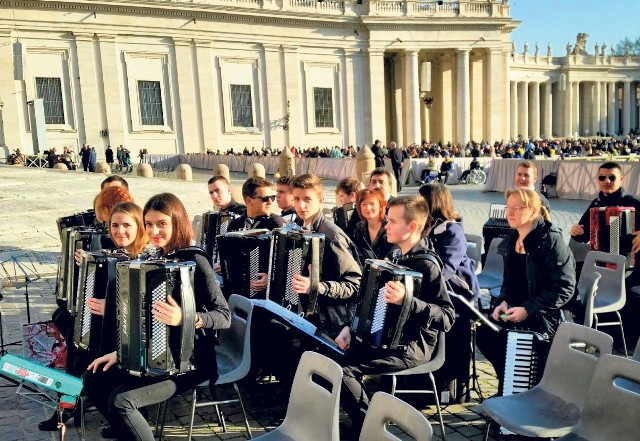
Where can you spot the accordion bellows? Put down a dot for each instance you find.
(146, 346)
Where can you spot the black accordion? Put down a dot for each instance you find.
(611, 230)
(342, 215)
(496, 226)
(243, 254)
(145, 346)
(83, 219)
(293, 251)
(525, 360)
(77, 238)
(97, 280)
(376, 322)
(214, 223)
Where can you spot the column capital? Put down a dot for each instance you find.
(84, 36)
(463, 51)
(180, 41)
(201, 42)
(271, 47)
(412, 52)
(107, 38)
(289, 48)
(374, 51)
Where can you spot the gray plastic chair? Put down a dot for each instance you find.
(436, 362)
(553, 407)
(313, 411)
(493, 270)
(233, 357)
(612, 294)
(636, 352)
(589, 296)
(612, 403)
(475, 245)
(385, 409)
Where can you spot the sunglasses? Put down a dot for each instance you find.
(611, 178)
(265, 199)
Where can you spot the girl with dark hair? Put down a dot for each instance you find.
(370, 236)
(120, 395)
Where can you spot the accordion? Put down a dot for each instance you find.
(214, 223)
(243, 254)
(83, 219)
(293, 250)
(97, 280)
(145, 346)
(77, 238)
(525, 360)
(342, 215)
(376, 322)
(496, 225)
(611, 230)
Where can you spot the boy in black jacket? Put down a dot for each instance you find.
(431, 311)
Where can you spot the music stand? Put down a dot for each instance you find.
(23, 275)
(477, 320)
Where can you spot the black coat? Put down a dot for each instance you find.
(379, 249)
(551, 276)
(269, 222)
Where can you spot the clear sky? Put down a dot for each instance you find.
(559, 21)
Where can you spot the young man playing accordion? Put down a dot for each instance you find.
(431, 311)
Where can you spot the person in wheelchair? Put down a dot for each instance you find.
(446, 168)
(429, 173)
(475, 165)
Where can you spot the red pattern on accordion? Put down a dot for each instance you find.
(603, 236)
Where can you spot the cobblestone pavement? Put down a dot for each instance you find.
(31, 200)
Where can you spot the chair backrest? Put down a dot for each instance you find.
(574, 353)
(313, 410)
(435, 363)
(474, 248)
(612, 285)
(235, 341)
(494, 263)
(636, 351)
(385, 409)
(612, 403)
(589, 297)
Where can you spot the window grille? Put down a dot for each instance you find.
(241, 105)
(150, 99)
(50, 90)
(323, 106)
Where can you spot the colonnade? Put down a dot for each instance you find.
(551, 108)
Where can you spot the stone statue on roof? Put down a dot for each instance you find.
(548, 49)
(581, 43)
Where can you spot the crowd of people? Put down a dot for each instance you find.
(422, 232)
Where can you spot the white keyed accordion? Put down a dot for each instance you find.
(611, 230)
(145, 346)
(525, 360)
(76, 238)
(214, 223)
(342, 215)
(376, 322)
(83, 219)
(97, 280)
(293, 250)
(243, 254)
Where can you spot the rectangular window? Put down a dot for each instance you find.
(323, 106)
(241, 105)
(50, 90)
(150, 99)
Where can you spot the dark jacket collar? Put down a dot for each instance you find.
(611, 199)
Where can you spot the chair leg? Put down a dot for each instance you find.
(165, 405)
(193, 411)
(393, 385)
(435, 394)
(244, 413)
(624, 341)
(487, 427)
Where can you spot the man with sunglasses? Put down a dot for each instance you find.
(612, 194)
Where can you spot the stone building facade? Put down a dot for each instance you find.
(178, 76)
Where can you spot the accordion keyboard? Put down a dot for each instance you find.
(520, 363)
(158, 329)
(380, 312)
(294, 266)
(88, 290)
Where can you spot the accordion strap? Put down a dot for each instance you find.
(188, 305)
(315, 275)
(405, 309)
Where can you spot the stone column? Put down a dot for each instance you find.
(412, 97)
(568, 110)
(295, 134)
(496, 104)
(276, 104)
(352, 81)
(595, 122)
(92, 119)
(576, 108)
(523, 109)
(603, 107)
(612, 127)
(626, 108)
(534, 109)
(113, 106)
(208, 87)
(547, 122)
(514, 109)
(376, 124)
(190, 140)
(464, 99)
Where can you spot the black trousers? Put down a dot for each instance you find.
(119, 396)
(397, 172)
(362, 360)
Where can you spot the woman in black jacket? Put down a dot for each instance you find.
(370, 236)
(539, 276)
(118, 394)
